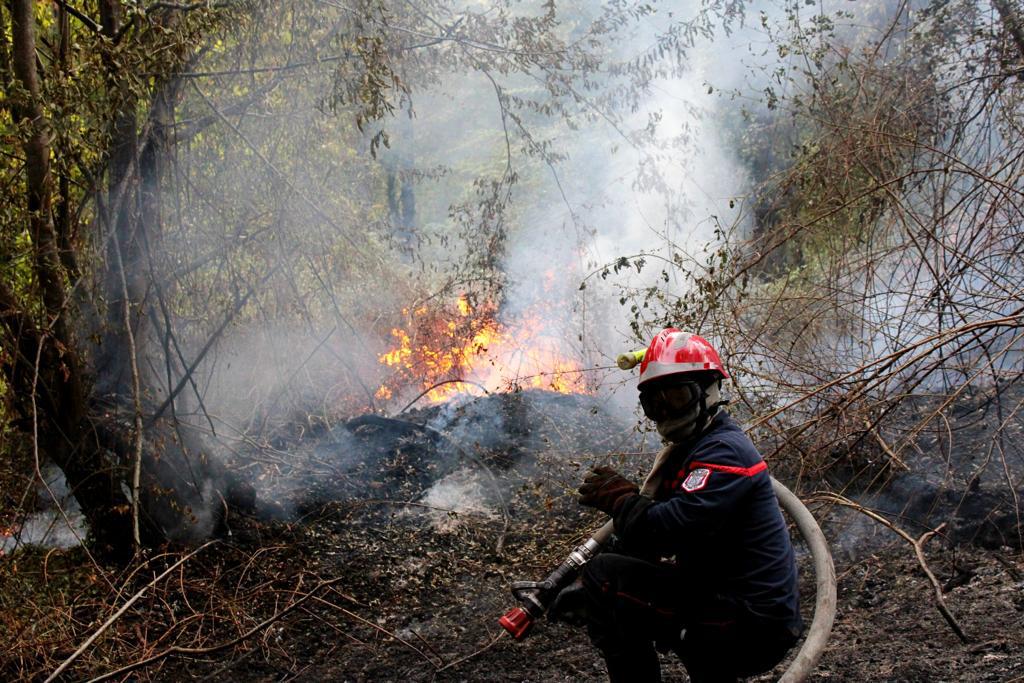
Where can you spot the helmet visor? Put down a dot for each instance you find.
(672, 400)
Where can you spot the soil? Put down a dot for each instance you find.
(423, 524)
(422, 589)
(433, 600)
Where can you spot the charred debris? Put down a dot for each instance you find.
(468, 455)
(468, 458)
(473, 454)
(382, 547)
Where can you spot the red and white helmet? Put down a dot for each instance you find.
(673, 352)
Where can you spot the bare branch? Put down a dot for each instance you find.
(918, 545)
(124, 608)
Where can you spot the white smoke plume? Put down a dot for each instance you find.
(649, 177)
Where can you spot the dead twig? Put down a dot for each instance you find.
(439, 384)
(918, 545)
(136, 396)
(124, 608)
(222, 646)
(1011, 569)
(893, 457)
(381, 629)
(39, 470)
(485, 648)
(235, 310)
(412, 503)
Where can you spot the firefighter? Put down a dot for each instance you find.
(703, 565)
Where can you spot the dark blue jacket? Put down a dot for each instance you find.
(721, 520)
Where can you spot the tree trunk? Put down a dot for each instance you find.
(183, 494)
(122, 214)
(50, 395)
(63, 211)
(5, 57)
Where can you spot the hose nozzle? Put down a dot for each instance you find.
(517, 621)
(628, 361)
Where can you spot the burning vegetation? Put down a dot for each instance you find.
(466, 348)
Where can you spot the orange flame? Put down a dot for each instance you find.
(8, 531)
(449, 352)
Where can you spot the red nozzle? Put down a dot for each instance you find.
(517, 622)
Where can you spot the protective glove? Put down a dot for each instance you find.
(605, 489)
(570, 605)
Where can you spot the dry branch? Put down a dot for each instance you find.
(893, 456)
(136, 394)
(457, 380)
(124, 608)
(471, 655)
(381, 629)
(175, 649)
(930, 345)
(918, 545)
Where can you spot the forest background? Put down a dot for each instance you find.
(219, 219)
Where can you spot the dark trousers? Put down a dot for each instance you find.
(633, 605)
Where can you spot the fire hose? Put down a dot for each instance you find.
(535, 597)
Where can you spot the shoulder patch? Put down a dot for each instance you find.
(696, 479)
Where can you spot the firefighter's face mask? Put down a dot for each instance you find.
(667, 401)
(677, 409)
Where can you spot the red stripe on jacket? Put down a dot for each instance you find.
(742, 471)
(670, 485)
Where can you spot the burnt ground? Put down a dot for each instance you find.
(434, 583)
(423, 523)
(438, 595)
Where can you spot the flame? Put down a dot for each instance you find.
(9, 531)
(464, 348)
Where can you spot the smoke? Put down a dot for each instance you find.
(463, 493)
(647, 183)
(940, 256)
(299, 240)
(59, 523)
(629, 165)
(624, 187)
(261, 380)
(598, 186)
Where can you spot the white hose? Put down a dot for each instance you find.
(825, 587)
